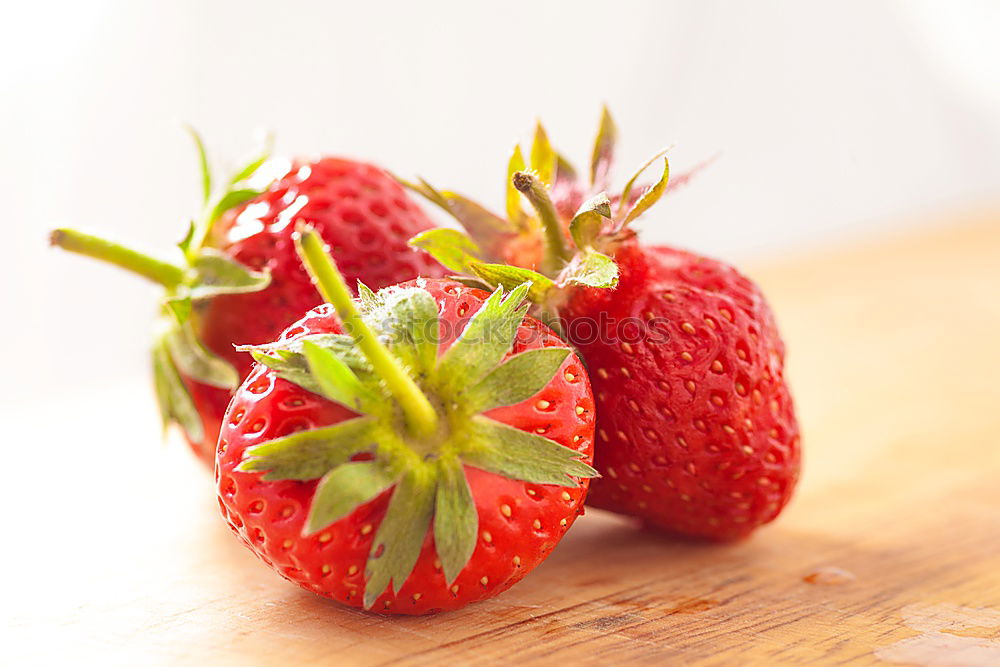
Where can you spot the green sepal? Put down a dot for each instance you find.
(180, 307)
(625, 198)
(336, 380)
(456, 522)
(515, 380)
(650, 196)
(216, 273)
(487, 337)
(173, 398)
(604, 151)
(343, 489)
(288, 360)
(204, 168)
(543, 156)
(192, 359)
(510, 277)
(591, 269)
(406, 319)
(401, 535)
(516, 454)
(565, 171)
(586, 225)
(513, 198)
(185, 243)
(369, 299)
(251, 167)
(232, 199)
(450, 247)
(311, 454)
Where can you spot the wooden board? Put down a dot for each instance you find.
(889, 552)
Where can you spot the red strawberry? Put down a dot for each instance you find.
(240, 281)
(415, 477)
(696, 430)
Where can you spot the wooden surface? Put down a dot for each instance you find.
(115, 551)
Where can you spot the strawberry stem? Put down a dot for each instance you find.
(421, 417)
(556, 253)
(164, 273)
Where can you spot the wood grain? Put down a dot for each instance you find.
(891, 550)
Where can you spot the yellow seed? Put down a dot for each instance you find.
(487, 537)
(484, 581)
(626, 348)
(717, 366)
(325, 569)
(622, 436)
(537, 524)
(669, 297)
(365, 529)
(612, 474)
(634, 467)
(603, 373)
(728, 429)
(579, 410)
(562, 522)
(505, 510)
(625, 372)
(454, 589)
(748, 449)
(325, 537)
(690, 385)
(717, 400)
(437, 564)
(517, 561)
(647, 488)
(740, 389)
(532, 493)
(416, 596)
(682, 442)
(710, 322)
(632, 404)
(603, 434)
(287, 512)
(352, 570)
(287, 544)
(687, 328)
(686, 356)
(541, 430)
(577, 438)
(685, 497)
(566, 496)
(727, 314)
(569, 376)
(542, 405)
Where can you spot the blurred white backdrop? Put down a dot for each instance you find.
(831, 119)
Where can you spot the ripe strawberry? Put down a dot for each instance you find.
(696, 430)
(448, 462)
(240, 281)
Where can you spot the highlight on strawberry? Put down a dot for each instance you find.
(237, 279)
(417, 449)
(697, 433)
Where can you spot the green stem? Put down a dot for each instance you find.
(556, 253)
(158, 271)
(421, 416)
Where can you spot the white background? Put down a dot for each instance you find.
(833, 120)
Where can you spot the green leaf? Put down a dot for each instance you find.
(185, 243)
(336, 379)
(176, 404)
(180, 307)
(232, 199)
(341, 491)
(400, 536)
(516, 454)
(510, 277)
(216, 273)
(490, 231)
(487, 337)
(543, 157)
(450, 247)
(604, 151)
(650, 196)
(589, 219)
(517, 379)
(288, 360)
(514, 211)
(311, 454)
(206, 171)
(192, 359)
(627, 190)
(407, 321)
(590, 268)
(456, 521)
(565, 172)
(369, 300)
(251, 167)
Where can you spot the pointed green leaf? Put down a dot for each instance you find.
(253, 165)
(206, 171)
(510, 277)
(473, 282)
(369, 300)
(590, 268)
(650, 196)
(216, 273)
(289, 361)
(450, 247)
(543, 157)
(487, 337)
(626, 195)
(336, 379)
(456, 522)
(176, 404)
(192, 359)
(401, 535)
(180, 307)
(515, 164)
(311, 454)
(232, 199)
(407, 321)
(604, 151)
(516, 454)
(341, 491)
(517, 379)
(185, 243)
(588, 221)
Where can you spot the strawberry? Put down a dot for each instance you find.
(697, 433)
(416, 475)
(239, 280)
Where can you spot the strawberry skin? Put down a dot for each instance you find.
(361, 212)
(519, 522)
(696, 430)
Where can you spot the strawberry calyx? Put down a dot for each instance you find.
(201, 273)
(390, 368)
(569, 237)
